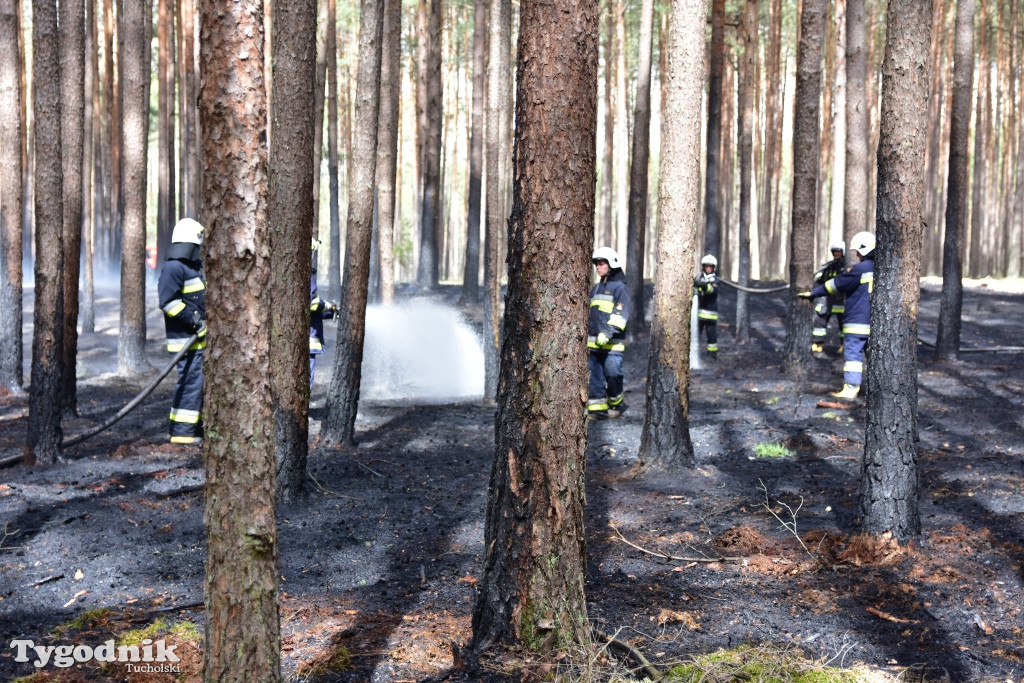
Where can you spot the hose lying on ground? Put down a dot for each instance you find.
(135, 401)
(991, 349)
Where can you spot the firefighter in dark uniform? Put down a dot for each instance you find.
(706, 287)
(182, 292)
(319, 310)
(830, 304)
(606, 336)
(857, 284)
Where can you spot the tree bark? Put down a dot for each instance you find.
(291, 229)
(11, 349)
(44, 408)
(498, 49)
(134, 62)
(243, 641)
(607, 211)
(745, 95)
(712, 173)
(805, 186)
(947, 343)
(387, 144)
(665, 439)
(165, 214)
(621, 131)
(188, 118)
(531, 591)
(334, 226)
(72, 89)
(636, 239)
(427, 272)
(90, 171)
(318, 108)
(855, 197)
(772, 135)
(343, 396)
(471, 271)
(890, 481)
(976, 248)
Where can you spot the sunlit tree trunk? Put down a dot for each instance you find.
(747, 68)
(427, 272)
(471, 272)
(855, 198)
(621, 131)
(90, 168)
(291, 228)
(243, 635)
(11, 349)
(838, 116)
(388, 144)
(772, 135)
(712, 174)
(44, 430)
(318, 107)
(188, 117)
(531, 591)
(805, 186)
(339, 424)
(947, 344)
(333, 201)
(977, 254)
(607, 211)
(165, 129)
(890, 481)
(665, 439)
(636, 238)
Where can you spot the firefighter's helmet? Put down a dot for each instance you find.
(838, 245)
(709, 260)
(863, 243)
(606, 254)
(187, 231)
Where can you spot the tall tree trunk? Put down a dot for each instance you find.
(291, 229)
(243, 633)
(621, 131)
(11, 350)
(976, 254)
(134, 59)
(889, 480)
(772, 129)
(388, 144)
(747, 67)
(115, 224)
(608, 158)
(471, 271)
(498, 50)
(805, 185)
(165, 129)
(90, 168)
(637, 229)
(532, 586)
(947, 344)
(712, 173)
(665, 439)
(318, 108)
(838, 115)
(189, 117)
(855, 198)
(44, 408)
(427, 272)
(333, 201)
(339, 424)
(72, 95)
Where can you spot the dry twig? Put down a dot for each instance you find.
(666, 556)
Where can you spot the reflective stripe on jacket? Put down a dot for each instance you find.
(609, 312)
(857, 284)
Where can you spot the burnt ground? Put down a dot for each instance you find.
(384, 554)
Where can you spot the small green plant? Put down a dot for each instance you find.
(87, 619)
(771, 401)
(136, 636)
(187, 631)
(337, 658)
(763, 664)
(772, 450)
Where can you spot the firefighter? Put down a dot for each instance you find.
(319, 310)
(182, 292)
(606, 336)
(856, 283)
(831, 304)
(706, 286)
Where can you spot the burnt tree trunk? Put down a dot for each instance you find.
(11, 288)
(291, 229)
(339, 425)
(890, 481)
(858, 158)
(947, 343)
(427, 272)
(387, 144)
(531, 590)
(712, 191)
(44, 430)
(243, 634)
(636, 239)
(665, 439)
(805, 186)
(745, 100)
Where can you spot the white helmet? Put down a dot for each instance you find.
(187, 231)
(709, 260)
(863, 243)
(838, 245)
(607, 254)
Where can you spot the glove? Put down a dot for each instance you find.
(201, 332)
(197, 320)
(330, 308)
(697, 282)
(602, 338)
(804, 295)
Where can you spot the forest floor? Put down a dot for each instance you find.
(379, 564)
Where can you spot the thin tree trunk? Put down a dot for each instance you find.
(947, 343)
(334, 258)
(44, 408)
(318, 108)
(11, 194)
(621, 131)
(117, 121)
(189, 179)
(388, 191)
(712, 173)
(90, 170)
(165, 129)
(665, 438)
(838, 162)
(72, 94)
(805, 185)
(471, 271)
(343, 396)
(608, 158)
(976, 251)
(855, 198)
(427, 272)
(531, 591)
(772, 129)
(890, 482)
(638, 187)
(291, 229)
(243, 634)
(748, 36)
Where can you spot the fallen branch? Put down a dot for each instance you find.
(836, 405)
(46, 579)
(369, 469)
(674, 558)
(888, 617)
(176, 608)
(183, 490)
(990, 349)
(652, 672)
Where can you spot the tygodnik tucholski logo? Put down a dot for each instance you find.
(63, 656)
